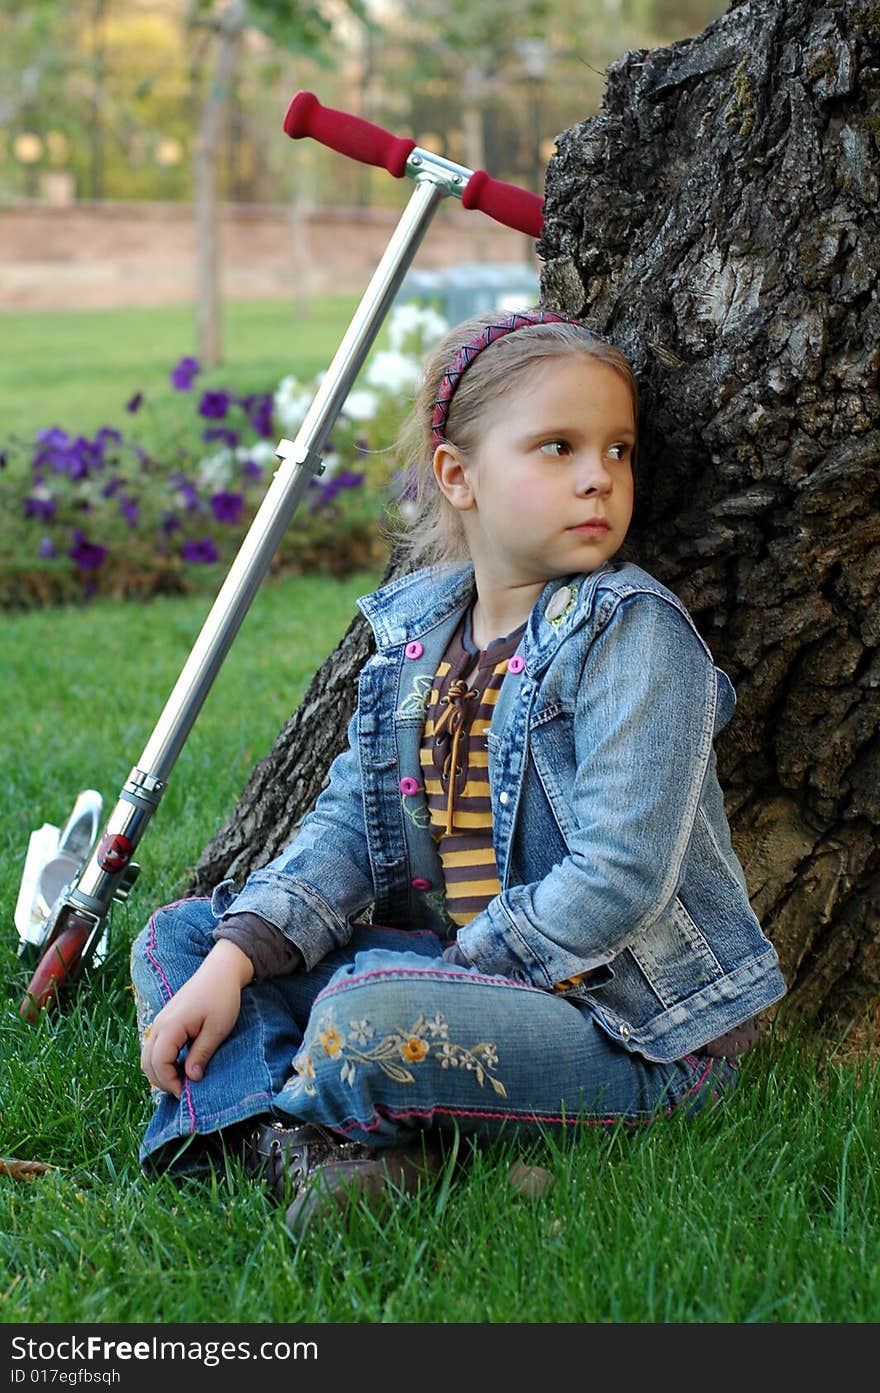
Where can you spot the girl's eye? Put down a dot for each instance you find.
(557, 448)
(619, 451)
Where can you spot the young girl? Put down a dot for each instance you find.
(515, 906)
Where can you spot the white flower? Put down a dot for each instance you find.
(216, 471)
(361, 404)
(290, 403)
(261, 452)
(392, 372)
(415, 326)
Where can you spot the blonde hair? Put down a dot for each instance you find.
(430, 529)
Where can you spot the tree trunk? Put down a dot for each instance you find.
(207, 153)
(718, 221)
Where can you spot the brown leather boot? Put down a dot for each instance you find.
(323, 1173)
(376, 1178)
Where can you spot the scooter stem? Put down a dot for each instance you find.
(300, 462)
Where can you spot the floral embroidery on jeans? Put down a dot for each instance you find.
(397, 1053)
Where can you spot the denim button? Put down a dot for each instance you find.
(414, 649)
(625, 1031)
(409, 786)
(418, 882)
(504, 797)
(516, 663)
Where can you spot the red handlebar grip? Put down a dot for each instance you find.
(349, 135)
(506, 203)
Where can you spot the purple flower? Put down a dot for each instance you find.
(227, 507)
(129, 508)
(112, 487)
(345, 479)
(170, 523)
(229, 437)
(259, 412)
(203, 551)
(37, 507)
(105, 435)
(135, 403)
(54, 437)
(86, 555)
(81, 457)
(47, 548)
(183, 374)
(75, 458)
(251, 470)
(214, 405)
(55, 444)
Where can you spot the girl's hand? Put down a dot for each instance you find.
(203, 1013)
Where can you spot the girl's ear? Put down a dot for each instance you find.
(452, 477)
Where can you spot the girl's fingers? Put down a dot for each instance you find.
(159, 1058)
(200, 1051)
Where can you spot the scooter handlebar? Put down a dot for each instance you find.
(506, 203)
(362, 140)
(349, 135)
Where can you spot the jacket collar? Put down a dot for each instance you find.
(411, 605)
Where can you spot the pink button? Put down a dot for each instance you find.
(418, 882)
(409, 786)
(414, 649)
(516, 663)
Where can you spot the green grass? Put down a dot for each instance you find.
(766, 1211)
(78, 368)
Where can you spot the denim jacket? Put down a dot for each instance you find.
(612, 843)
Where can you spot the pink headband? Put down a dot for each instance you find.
(468, 352)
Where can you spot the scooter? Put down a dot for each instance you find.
(73, 875)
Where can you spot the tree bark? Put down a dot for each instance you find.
(718, 221)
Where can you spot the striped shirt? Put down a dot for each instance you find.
(455, 766)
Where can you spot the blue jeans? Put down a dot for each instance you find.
(383, 1039)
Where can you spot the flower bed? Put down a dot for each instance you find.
(163, 505)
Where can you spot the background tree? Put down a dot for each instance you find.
(303, 27)
(718, 220)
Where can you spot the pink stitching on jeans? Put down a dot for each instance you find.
(423, 972)
(609, 1121)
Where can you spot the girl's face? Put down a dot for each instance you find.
(549, 490)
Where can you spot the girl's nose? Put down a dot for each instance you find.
(592, 477)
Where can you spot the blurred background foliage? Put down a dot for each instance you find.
(104, 99)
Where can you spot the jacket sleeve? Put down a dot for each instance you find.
(642, 731)
(322, 879)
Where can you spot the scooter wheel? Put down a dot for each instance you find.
(55, 969)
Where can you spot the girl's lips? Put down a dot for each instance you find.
(595, 525)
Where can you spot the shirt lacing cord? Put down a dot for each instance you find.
(454, 718)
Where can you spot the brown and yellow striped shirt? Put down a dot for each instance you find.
(455, 766)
